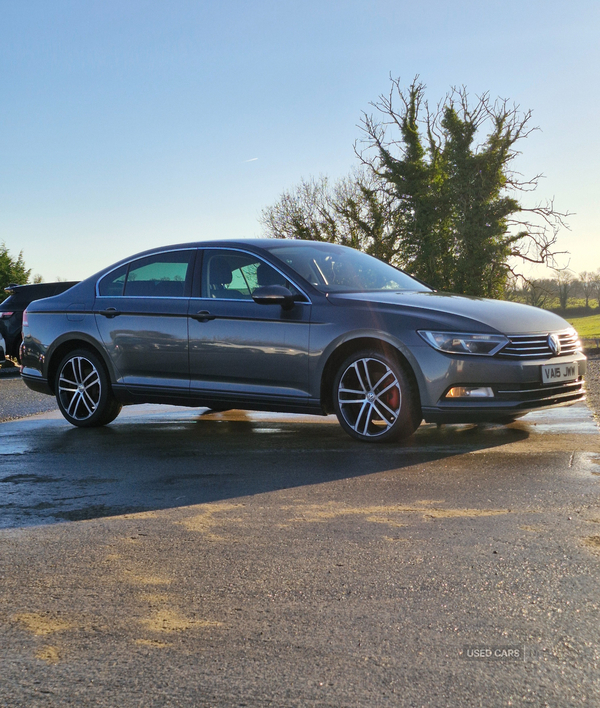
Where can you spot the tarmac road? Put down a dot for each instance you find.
(18, 401)
(268, 560)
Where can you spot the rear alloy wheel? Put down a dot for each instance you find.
(373, 398)
(83, 391)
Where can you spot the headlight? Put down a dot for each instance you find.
(460, 343)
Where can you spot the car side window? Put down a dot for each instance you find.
(159, 275)
(234, 275)
(112, 285)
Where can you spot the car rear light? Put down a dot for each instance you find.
(25, 320)
(6, 315)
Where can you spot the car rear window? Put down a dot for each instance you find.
(17, 299)
(24, 294)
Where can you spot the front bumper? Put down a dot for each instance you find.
(517, 386)
(508, 402)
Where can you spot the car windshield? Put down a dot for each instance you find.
(332, 268)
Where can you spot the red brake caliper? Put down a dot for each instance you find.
(392, 398)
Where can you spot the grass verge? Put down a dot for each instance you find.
(587, 327)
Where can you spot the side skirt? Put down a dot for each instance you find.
(175, 397)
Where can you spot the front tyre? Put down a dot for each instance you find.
(83, 391)
(373, 398)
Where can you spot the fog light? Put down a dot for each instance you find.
(470, 392)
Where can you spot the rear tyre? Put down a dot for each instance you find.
(373, 398)
(83, 391)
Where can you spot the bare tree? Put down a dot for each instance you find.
(462, 205)
(537, 292)
(437, 195)
(564, 285)
(586, 285)
(596, 286)
(514, 289)
(354, 211)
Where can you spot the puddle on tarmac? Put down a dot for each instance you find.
(577, 419)
(14, 448)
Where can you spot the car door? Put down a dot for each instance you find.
(141, 311)
(241, 348)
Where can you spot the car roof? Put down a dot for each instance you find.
(236, 243)
(253, 243)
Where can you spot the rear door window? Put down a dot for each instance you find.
(160, 275)
(113, 284)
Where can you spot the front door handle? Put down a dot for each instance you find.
(110, 312)
(203, 316)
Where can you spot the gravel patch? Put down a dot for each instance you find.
(593, 381)
(18, 401)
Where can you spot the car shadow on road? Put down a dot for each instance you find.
(59, 473)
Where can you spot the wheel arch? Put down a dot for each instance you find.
(62, 347)
(348, 347)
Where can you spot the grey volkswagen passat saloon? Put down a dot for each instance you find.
(294, 326)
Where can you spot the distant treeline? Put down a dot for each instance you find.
(566, 290)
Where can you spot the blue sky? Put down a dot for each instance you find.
(134, 123)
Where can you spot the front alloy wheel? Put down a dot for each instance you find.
(83, 391)
(373, 400)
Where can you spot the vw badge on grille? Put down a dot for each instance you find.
(554, 344)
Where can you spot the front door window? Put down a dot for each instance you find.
(234, 275)
(240, 347)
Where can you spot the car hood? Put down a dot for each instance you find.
(505, 317)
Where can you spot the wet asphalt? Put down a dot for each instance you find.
(18, 401)
(180, 559)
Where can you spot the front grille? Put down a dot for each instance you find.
(534, 395)
(535, 346)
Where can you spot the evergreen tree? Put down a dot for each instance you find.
(436, 194)
(12, 270)
(462, 222)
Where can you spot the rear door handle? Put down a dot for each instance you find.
(110, 312)
(203, 316)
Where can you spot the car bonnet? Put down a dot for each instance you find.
(505, 317)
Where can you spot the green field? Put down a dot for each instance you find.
(587, 327)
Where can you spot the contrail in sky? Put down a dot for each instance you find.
(252, 159)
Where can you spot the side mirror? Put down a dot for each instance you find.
(274, 295)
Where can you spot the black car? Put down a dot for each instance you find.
(296, 326)
(11, 310)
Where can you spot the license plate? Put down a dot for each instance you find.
(555, 373)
